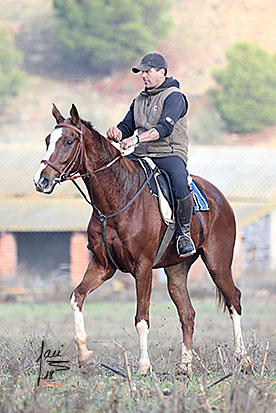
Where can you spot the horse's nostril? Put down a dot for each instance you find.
(44, 182)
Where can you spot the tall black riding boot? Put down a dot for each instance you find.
(184, 210)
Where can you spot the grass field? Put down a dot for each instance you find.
(111, 335)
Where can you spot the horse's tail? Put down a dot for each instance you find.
(220, 299)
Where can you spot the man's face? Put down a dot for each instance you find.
(153, 78)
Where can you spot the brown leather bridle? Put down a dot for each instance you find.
(65, 175)
(78, 155)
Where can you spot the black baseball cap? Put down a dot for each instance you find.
(149, 61)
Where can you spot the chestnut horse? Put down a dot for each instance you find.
(133, 229)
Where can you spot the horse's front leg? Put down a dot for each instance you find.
(177, 287)
(143, 278)
(94, 276)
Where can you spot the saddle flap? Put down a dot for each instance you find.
(164, 195)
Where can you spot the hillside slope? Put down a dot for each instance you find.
(202, 32)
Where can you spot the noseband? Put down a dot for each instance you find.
(78, 154)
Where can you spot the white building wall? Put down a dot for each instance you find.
(273, 241)
(256, 241)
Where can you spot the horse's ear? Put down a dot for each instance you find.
(56, 113)
(75, 116)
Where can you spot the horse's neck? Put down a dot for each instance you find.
(98, 151)
(112, 187)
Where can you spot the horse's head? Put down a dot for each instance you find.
(63, 154)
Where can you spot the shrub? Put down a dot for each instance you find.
(11, 77)
(245, 95)
(107, 34)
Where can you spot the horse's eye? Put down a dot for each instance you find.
(69, 142)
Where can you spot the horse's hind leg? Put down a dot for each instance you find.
(218, 262)
(177, 287)
(94, 276)
(240, 350)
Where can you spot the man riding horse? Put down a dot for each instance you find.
(158, 114)
(121, 201)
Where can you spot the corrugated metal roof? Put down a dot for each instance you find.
(247, 173)
(31, 215)
(18, 164)
(242, 174)
(246, 213)
(58, 215)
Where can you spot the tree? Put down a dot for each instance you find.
(245, 95)
(108, 34)
(11, 77)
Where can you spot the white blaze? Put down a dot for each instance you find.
(54, 137)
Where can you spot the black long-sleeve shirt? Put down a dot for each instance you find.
(175, 107)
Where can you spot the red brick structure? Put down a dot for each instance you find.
(79, 256)
(8, 255)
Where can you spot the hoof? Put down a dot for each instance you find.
(88, 363)
(186, 361)
(144, 368)
(186, 368)
(247, 364)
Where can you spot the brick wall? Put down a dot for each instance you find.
(79, 256)
(8, 255)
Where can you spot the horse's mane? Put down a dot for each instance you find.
(107, 147)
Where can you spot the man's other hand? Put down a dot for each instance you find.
(114, 134)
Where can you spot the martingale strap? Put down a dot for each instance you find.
(103, 218)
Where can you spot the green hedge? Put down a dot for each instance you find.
(106, 35)
(245, 94)
(11, 77)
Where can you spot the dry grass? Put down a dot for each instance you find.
(168, 389)
(116, 348)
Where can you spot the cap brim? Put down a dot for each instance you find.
(141, 68)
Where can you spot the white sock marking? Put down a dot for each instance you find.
(186, 355)
(80, 334)
(143, 331)
(238, 340)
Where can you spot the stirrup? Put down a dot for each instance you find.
(187, 246)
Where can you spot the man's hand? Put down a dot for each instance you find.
(114, 134)
(129, 142)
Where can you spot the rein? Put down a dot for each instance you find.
(65, 176)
